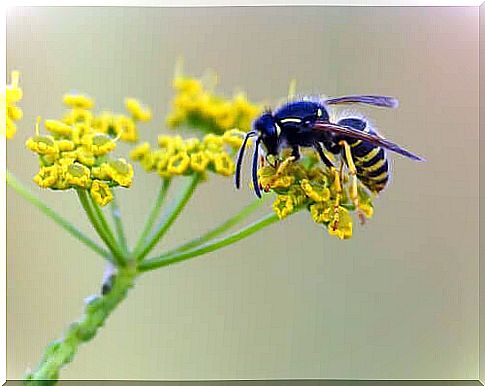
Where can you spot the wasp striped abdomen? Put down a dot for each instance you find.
(370, 160)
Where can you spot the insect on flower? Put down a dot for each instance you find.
(306, 123)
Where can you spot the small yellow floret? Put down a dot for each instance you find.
(79, 101)
(47, 176)
(137, 110)
(234, 138)
(283, 206)
(42, 144)
(58, 127)
(178, 164)
(199, 161)
(65, 145)
(341, 228)
(119, 171)
(125, 127)
(78, 175)
(223, 164)
(321, 212)
(101, 192)
(314, 191)
(99, 144)
(139, 152)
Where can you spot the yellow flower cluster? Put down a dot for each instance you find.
(76, 152)
(177, 156)
(196, 106)
(13, 94)
(117, 125)
(307, 184)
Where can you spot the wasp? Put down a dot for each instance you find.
(306, 123)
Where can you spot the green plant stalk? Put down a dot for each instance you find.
(171, 258)
(225, 226)
(104, 223)
(168, 219)
(85, 202)
(162, 194)
(120, 232)
(16, 185)
(62, 351)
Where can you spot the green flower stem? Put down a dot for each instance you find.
(104, 223)
(16, 185)
(171, 215)
(62, 351)
(226, 225)
(171, 258)
(162, 193)
(120, 232)
(83, 198)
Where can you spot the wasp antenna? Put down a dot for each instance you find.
(255, 168)
(240, 156)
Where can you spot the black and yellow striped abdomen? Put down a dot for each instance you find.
(370, 160)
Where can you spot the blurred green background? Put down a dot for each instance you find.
(399, 300)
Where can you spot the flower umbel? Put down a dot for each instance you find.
(176, 156)
(308, 184)
(196, 105)
(77, 152)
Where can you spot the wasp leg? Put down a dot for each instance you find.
(337, 184)
(282, 166)
(295, 153)
(318, 147)
(353, 193)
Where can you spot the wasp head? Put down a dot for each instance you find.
(267, 131)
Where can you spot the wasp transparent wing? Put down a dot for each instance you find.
(366, 137)
(374, 100)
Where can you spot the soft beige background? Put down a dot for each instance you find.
(400, 300)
